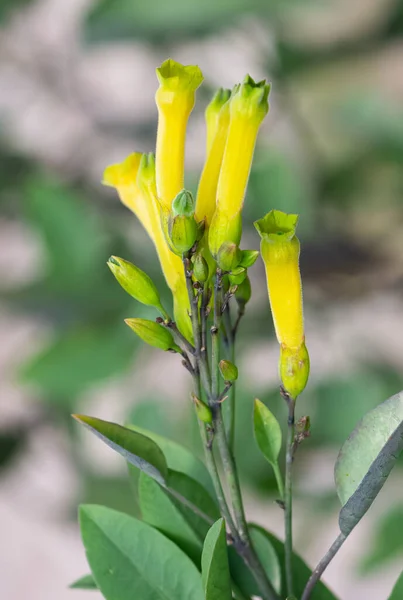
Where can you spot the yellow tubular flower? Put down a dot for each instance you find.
(217, 130)
(212, 115)
(248, 107)
(280, 250)
(175, 99)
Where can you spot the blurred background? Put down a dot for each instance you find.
(76, 94)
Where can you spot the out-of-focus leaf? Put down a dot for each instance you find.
(78, 359)
(8, 6)
(301, 570)
(111, 491)
(11, 442)
(269, 558)
(387, 542)
(73, 236)
(84, 583)
(366, 459)
(215, 568)
(397, 592)
(139, 450)
(180, 458)
(122, 19)
(129, 559)
(168, 514)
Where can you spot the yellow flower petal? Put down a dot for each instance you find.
(175, 99)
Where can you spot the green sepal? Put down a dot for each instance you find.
(277, 226)
(153, 334)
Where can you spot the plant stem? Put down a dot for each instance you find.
(318, 571)
(288, 494)
(230, 414)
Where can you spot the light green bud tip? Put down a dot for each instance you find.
(243, 293)
(228, 370)
(135, 282)
(294, 369)
(174, 76)
(153, 334)
(251, 98)
(249, 258)
(146, 172)
(277, 226)
(203, 412)
(221, 96)
(183, 204)
(229, 256)
(200, 269)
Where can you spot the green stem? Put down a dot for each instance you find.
(288, 495)
(318, 571)
(279, 480)
(230, 406)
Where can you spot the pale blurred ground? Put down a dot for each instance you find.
(46, 83)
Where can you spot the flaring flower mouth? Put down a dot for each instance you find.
(277, 226)
(174, 76)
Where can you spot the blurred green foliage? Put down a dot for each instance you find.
(354, 178)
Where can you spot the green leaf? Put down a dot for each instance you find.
(301, 570)
(129, 559)
(267, 432)
(366, 459)
(397, 592)
(84, 583)
(177, 521)
(180, 458)
(215, 567)
(136, 448)
(268, 556)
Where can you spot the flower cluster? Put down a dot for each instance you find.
(204, 234)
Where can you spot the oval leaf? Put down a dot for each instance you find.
(174, 519)
(180, 458)
(397, 592)
(136, 448)
(267, 432)
(366, 459)
(215, 567)
(129, 559)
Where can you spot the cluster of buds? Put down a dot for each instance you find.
(204, 234)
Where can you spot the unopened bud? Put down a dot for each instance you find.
(243, 293)
(135, 282)
(237, 276)
(200, 269)
(228, 256)
(182, 233)
(203, 412)
(248, 258)
(153, 334)
(183, 204)
(294, 369)
(228, 370)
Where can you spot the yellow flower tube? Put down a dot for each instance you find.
(217, 122)
(280, 249)
(248, 106)
(175, 99)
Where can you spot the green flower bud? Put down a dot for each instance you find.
(237, 276)
(200, 269)
(228, 370)
(228, 256)
(135, 282)
(183, 204)
(243, 293)
(203, 412)
(183, 233)
(294, 369)
(153, 333)
(249, 258)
